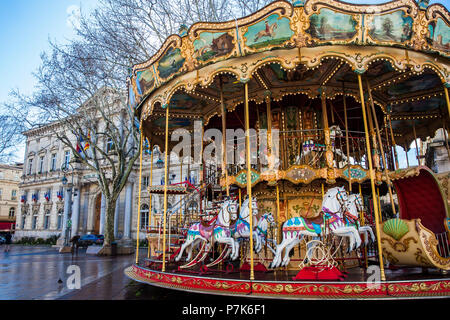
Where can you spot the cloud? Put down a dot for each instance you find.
(73, 16)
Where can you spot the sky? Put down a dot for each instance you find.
(25, 29)
(27, 25)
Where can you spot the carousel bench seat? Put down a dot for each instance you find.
(409, 243)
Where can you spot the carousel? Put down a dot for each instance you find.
(306, 109)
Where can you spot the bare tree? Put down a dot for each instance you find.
(82, 85)
(89, 109)
(10, 137)
(133, 30)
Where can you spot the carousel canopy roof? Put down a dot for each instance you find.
(402, 49)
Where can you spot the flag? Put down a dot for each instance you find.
(86, 145)
(78, 148)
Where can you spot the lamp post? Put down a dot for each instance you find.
(67, 222)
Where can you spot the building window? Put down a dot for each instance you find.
(1, 193)
(53, 162)
(66, 159)
(144, 216)
(30, 166)
(12, 212)
(47, 219)
(34, 221)
(41, 164)
(60, 217)
(110, 145)
(145, 182)
(24, 218)
(13, 194)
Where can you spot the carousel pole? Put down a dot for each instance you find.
(444, 129)
(447, 99)
(181, 196)
(224, 137)
(380, 143)
(363, 223)
(397, 166)
(249, 179)
(389, 147)
(269, 157)
(346, 139)
(240, 198)
(379, 204)
(269, 126)
(150, 209)
(201, 178)
(372, 178)
(326, 131)
(139, 197)
(375, 157)
(415, 141)
(163, 269)
(406, 153)
(278, 215)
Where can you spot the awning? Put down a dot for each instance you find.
(6, 226)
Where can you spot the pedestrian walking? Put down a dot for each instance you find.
(75, 244)
(8, 238)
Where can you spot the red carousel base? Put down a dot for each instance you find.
(319, 273)
(281, 286)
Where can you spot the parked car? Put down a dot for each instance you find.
(100, 239)
(89, 239)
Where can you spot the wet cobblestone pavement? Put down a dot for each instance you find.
(32, 273)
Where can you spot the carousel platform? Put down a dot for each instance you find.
(402, 283)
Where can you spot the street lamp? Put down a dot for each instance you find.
(67, 202)
(159, 162)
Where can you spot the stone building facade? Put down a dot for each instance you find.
(9, 195)
(43, 195)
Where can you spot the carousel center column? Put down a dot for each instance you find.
(166, 152)
(330, 176)
(249, 177)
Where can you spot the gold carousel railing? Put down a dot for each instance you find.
(310, 149)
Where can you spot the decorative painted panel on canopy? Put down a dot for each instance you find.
(284, 26)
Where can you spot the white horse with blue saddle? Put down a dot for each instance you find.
(329, 221)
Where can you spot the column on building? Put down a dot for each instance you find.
(102, 214)
(67, 198)
(85, 211)
(116, 218)
(128, 210)
(76, 210)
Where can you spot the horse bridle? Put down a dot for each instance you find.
(360, 206)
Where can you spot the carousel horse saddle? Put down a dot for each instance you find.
(208, 223)
(206, 230)
(315, 223)
(315, 220)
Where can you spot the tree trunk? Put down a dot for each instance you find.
(109, 222)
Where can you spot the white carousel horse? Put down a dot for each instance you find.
(310, 145)
(220, 229)
(294, 229)
(335, 131)
(241, 228)
(261, 230)
(259, 234)
(355, 205)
